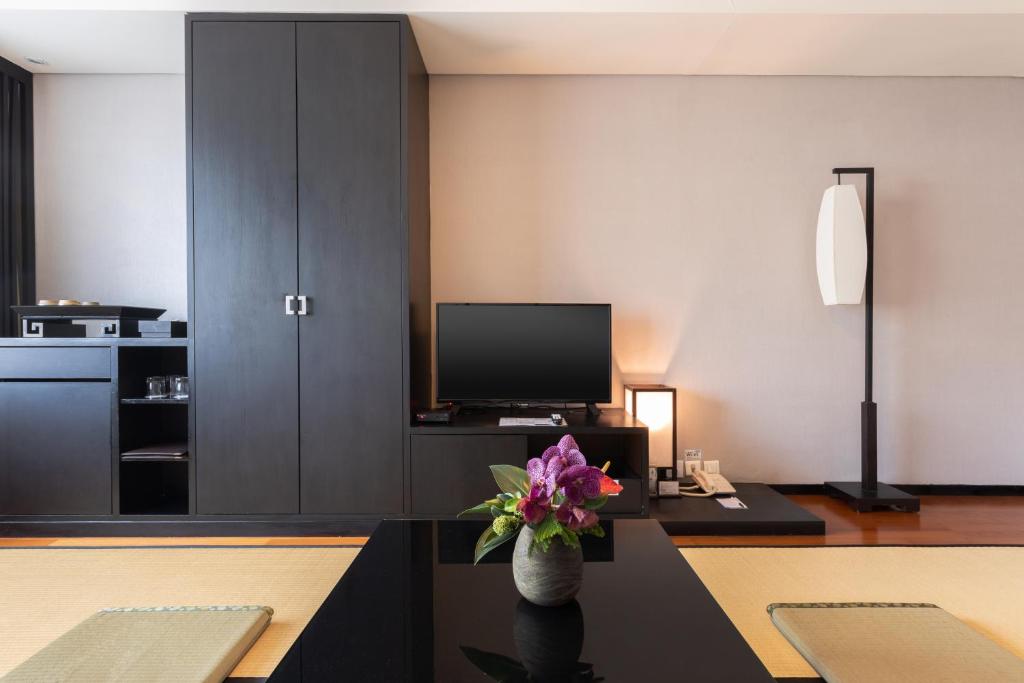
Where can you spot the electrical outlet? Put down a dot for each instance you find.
(711, 466)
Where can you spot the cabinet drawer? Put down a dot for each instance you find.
(50, 362)
(450, 472)
(55, 448)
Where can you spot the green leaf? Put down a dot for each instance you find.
(596, 530)
(545, 531)
(481, 509)
(569, 538)
(497, 667)
(496, 511)
(488, 541)
(595, 503)
(511, 479)
(505, 497)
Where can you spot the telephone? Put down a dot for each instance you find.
(710, 483)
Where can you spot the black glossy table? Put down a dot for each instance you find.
(412, 607)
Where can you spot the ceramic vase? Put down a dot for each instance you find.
(548, 579)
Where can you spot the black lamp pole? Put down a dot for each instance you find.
(868, 494)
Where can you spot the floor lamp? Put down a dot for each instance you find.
(845, 255)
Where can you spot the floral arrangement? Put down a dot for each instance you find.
(557, 495)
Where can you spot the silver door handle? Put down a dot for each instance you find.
(288, 301)
(303, 310)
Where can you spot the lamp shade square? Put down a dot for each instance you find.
(654, 405)
(842, 247)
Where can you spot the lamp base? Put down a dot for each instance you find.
(863, 500)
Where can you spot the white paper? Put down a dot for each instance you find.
(731, 503)
(528, 422)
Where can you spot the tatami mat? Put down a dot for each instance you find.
(982, 586)
(45, 592)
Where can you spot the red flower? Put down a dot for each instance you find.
(610, 486)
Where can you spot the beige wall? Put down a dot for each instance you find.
(689, 203)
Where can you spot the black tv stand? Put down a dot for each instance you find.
(593, 412)
(448, 463)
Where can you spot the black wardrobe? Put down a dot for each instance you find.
(309, 261)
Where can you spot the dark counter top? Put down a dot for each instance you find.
(476, 421)
(91, 341)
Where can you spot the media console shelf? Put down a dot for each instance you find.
(448, 463)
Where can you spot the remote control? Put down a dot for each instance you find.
(556, 418)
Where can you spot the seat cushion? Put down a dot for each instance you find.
(892, 642)
(172, 644)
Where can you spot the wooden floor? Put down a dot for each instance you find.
(943, 520)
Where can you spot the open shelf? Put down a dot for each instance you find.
(154, 401)
(152, 445)
(154, 487)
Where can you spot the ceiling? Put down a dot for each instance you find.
(759, 37)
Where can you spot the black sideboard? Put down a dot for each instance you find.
(71, 414)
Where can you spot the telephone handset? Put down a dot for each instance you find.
(709, 483)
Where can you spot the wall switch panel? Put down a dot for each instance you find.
(711, 466)
(668, 488)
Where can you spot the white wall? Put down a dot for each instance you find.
(690, 203)
(110, 189)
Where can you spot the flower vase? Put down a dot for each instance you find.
(549, 578)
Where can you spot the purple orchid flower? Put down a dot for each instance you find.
(544, 470)
(537, 469)
(565, 454)
(575, 518)
(580, 482)
(535, 505)
(567, 443)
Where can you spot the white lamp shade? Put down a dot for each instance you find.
(654, 405)
(842, 246)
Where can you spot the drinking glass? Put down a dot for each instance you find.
(179, 387)
(156, 387)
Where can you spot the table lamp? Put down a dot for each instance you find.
(655, 406)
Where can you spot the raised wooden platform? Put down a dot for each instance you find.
(768, 513)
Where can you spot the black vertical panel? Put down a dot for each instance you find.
(54, 448)
(244, 260)
(417, 192)
(17, 212)
(350, 266)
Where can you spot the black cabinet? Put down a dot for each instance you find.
(350, 267)
(449, 471)
(303, 185)
(55, 447)
(244, 242)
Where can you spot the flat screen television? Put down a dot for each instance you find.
(524, 352)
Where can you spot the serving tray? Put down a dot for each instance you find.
(81, 312)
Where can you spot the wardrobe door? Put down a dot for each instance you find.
(350, 267)
(244, 264)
